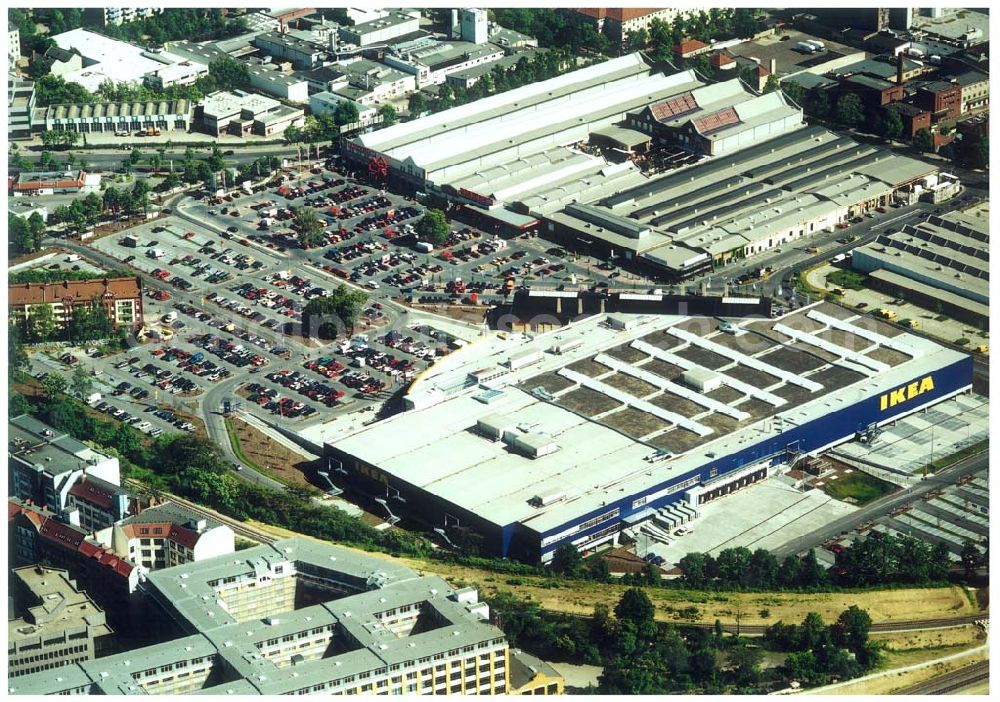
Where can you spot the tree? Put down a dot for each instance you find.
(744, 25)
(228, 73)
(346, 112)
(598, 568)
(850, 112)
(772, 84)
(813, 633)
(389, 116)
(634, 606)
(416, 104)
(801, 666)
(638, 39)
(971, 559)
(811, 573)
(309, 226)
(890, 125)
(851, 629)
(762, 571)
(332, 314)
(733, 565)
(745, 661)
(41, 323)
(693, 567)
(81, 381)
(567, 561)
(53, 385)
(923, 140)
(433, 227)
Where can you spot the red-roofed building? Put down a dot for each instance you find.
(120, 297)
(167, 535)
(619, 23)
(689, 48)
(97, 503)
(721, 61)
(38, 537)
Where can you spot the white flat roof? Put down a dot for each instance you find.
(112, 59)
(438, 450)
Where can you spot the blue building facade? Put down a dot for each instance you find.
(829, 429)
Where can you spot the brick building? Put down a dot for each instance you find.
(120, 297)
(942, 99)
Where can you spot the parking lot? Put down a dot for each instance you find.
(369, 239)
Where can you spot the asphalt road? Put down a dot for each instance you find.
(883, 506)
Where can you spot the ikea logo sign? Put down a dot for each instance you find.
(907, 392)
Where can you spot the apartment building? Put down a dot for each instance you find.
(93, 504)
(20, 108)
(53, 623)
(13, 47)
(301, 617)
(619, 24)
(165, 536)
(44, 464)
(117, 16)
(120, 297)
(975, 90)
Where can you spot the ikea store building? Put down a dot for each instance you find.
(583, 433)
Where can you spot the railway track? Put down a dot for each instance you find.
(238, 527)
(950, 682)
(263, 537)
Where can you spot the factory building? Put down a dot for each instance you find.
(584, 434)
(301, 617)
(168, 115)
(381, 30)
(942, 262)
(734, 206)
(752, 176)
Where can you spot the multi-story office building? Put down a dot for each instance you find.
(53, 622)
(300, 617)
(45, 464)
(120, 297)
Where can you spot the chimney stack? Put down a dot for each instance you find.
(774, 68)
(899, 68)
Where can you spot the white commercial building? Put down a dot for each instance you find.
(326, 104)
(381, 30)
(283, 85)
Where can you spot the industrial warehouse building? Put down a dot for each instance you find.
(942, 262)
(753, 176)
(585, 433)
(300, 617)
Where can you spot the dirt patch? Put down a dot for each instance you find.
(634, 422)
(274, 457)
(764, 328)
(667, 371)
(702, 326)
(550, 382)
(751, 376)
(794, 394)
(845, 339)
(835, 311)
(890, 356)
(756, 408)
(747, 344)
(721, 423)
(724, 394)
(703, 357)
(662, 340)
(589, 367)
(877, 326)
(791, 359)
(836, 377)
(822, 354)
(800, 322)
(463, 313)
(588, 402)
(630, 384)
(677, 440)
(627, 353)
(677, 404)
